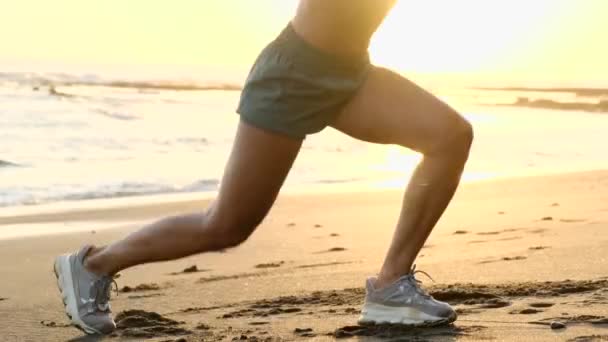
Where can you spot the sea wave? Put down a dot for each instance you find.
(4, 163)
(60, 79)
(202, 185)
(16, 196)
(116, 115)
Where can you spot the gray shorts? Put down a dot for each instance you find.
(295, 89)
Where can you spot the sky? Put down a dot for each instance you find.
(554, 40)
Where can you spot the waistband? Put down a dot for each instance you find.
(309, 54)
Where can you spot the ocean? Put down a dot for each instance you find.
(72, 137)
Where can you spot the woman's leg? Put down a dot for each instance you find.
(255, 172)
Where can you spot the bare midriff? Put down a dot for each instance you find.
(341, 27)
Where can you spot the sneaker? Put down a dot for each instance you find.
(85, 295)
(404, 302)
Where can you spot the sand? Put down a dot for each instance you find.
(521, 260)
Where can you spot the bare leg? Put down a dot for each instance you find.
(256, 170)
(389, 109)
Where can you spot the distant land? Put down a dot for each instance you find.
(599, 107)
(169, 86)
(151, 86)
(578, 91)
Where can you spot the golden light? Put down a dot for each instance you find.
(451, 36)
(545, 38)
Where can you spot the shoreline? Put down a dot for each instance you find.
(122, 211)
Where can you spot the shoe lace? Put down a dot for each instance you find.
(415, 283)
(102, 292)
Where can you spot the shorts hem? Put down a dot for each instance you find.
(270, 126)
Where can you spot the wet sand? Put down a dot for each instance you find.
(521, 259)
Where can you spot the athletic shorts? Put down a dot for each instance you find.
(295, 89)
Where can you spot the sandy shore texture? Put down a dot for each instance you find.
(521, 260)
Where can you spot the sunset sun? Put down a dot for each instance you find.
(447, 36)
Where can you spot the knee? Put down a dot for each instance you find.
(456, 142)
(232, 229)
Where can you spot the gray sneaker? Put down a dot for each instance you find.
(85, 295)
(404, 302)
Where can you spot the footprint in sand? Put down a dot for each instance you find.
(202, 326)
(260, 311)
(141, 288)
(547, 218)
(460, 232)
(541, 305)
(493, 303)
(488, 233)
(572, 220)
(580, 319)
(259, 323)
(510, 230)
(385, 331)
(291, 224)
(334, 234)
(51, 324)
(588, 338)
(145, 296)
(332, 250)
(190, 269)
(515, 258)
(318, 225)
(229, 277)
(304, 332)
(324, 264)
(144, 324)
(270, 264)
(510, 238)
(538, 248)
(537, 231)
(527, 311)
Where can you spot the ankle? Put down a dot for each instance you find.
(384, 280)
(92, 262)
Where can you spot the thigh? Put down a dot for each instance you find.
(389, 109)
(258, 165)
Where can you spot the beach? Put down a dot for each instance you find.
(512, 255)
(118, 114)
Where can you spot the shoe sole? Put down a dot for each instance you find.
(63, 272)
(376, 314)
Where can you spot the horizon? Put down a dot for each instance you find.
(548, 42)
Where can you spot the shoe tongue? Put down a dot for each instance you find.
(81, 256)
(84, 251)
(408, 280)
(370, 283)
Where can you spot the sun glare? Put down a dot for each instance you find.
(449, 36)
(544, 38)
